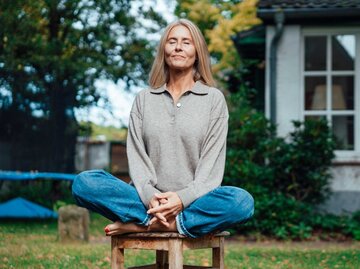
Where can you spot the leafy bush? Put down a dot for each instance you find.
(286, 176)
(44, 192)
(347, 225)
(301, 166)
(353, 227)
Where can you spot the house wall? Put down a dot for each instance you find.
(346, 190)
(345, 183)
(92, 155)
(110, 156)
(288, 78)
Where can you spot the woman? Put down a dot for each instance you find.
(176, 150)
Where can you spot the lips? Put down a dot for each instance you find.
(178, 56)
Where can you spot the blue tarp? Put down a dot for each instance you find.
(10, 175)
(22, 208)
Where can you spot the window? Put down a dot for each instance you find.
(329, 84)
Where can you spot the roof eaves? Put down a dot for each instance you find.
(303, 14)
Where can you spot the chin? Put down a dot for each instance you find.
(180, 67)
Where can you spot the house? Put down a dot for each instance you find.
(312, 53)
(101, 154)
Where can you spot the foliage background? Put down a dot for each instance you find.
(288, 177)
(51, 54)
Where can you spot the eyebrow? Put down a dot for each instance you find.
(185, 38)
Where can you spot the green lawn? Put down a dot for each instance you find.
(35, 245)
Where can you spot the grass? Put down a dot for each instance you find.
(31, 244)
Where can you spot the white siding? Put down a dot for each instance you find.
(288, 82)
(346, 178)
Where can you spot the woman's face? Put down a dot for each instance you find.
(180, 53)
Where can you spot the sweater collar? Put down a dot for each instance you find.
(199, 88)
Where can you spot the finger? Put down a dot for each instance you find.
(153, 204)
(166, 224)
(161, 217)
(154, 210)
(170, 213)
(155, 219)
(163, 201)
(160, 208)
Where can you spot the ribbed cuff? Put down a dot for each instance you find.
(181, 227)
(148, 193)
(187, 196)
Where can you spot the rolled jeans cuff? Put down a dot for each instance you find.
(181, 227)
(146, 221)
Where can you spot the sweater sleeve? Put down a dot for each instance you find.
(210, 169)
(141, 169)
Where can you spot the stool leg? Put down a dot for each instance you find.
(175, 253)
(161, 259)
(117, 254)
(218, 255)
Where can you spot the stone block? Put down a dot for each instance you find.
(73, 223)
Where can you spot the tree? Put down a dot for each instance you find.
(219, 20)
(51, 53)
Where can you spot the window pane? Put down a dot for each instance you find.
(343, 128)
(315, 53)
(315, 93)
(343, 93)
(343, 52)
(315, 118)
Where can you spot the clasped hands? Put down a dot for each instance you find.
(164, 207)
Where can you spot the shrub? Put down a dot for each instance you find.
(44, 192)
(347, 225)
(286, 176)
(301, 166)
(353, 227)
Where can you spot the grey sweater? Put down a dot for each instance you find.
(177, 147)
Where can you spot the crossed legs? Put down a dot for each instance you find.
(118, 201)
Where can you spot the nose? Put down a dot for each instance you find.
(178, 46)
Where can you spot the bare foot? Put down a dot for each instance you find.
(110, 229)
(121, 228)
(159, 227)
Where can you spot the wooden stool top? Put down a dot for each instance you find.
(167, 235)
(169, 249)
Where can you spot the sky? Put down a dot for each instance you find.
(116, 112)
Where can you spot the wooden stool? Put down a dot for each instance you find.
(169, 249)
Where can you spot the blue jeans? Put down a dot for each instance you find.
(116, 200)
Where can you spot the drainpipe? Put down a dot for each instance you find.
(279, 24)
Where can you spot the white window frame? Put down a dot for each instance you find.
(341, 156)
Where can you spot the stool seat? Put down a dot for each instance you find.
(169, 249)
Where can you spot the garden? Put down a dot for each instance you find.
(35, 244)
(51, 65)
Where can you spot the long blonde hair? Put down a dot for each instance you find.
(159, 74)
